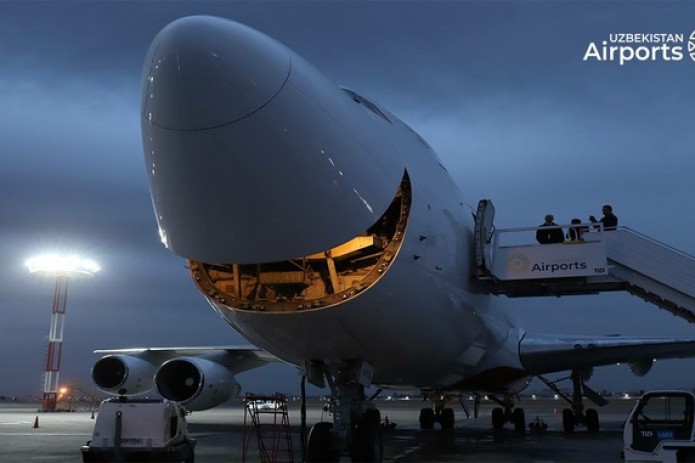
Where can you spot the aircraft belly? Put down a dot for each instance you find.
(416, 347)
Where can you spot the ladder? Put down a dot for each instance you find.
(266, 418)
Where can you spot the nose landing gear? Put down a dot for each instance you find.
(356, 427)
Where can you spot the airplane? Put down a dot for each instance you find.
(331, 236)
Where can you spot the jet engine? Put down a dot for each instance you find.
(196, 382)
(123, 374)
(642, 367)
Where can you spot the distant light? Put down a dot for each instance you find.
(533, 396)
(556, 397)
(62, 264)
(63, 390)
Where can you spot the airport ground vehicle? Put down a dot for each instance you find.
(660, 428)
(140, 430)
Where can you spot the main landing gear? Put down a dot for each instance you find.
(576, 415)
(438, 413)
(356, 427)
(507, 413)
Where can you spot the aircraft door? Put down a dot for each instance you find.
(661, 416)
(483, 234)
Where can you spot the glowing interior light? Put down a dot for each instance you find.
(62, 264)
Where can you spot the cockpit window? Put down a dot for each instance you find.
(367, 104)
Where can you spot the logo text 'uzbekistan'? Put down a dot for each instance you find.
(651, 47)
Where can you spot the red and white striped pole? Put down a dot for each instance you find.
(55, 344)
(62, 267)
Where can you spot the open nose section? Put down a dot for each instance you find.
(252, 154)
(203, 72)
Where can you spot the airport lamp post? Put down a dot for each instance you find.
(63, 267)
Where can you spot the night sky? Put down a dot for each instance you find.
(498, 89)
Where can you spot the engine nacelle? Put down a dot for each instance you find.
(123, 374)
(642, 367)
(196, 382)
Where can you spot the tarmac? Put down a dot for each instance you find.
(220, 435)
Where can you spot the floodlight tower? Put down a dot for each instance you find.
(63, 267)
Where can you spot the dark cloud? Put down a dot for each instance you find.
(499, 89)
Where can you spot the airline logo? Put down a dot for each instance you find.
(636, 47)
(518, 263)
(549, 261)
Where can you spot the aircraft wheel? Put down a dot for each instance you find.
(568, 420)
(426, 418)
(519, 420)
(320, 443)
(592, 423)
(190, 457)
(372, 416)
(498, 418)
(367, 444)
(447, 419)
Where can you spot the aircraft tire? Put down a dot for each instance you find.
(519, 420)
(447, 418)
(367, 443)
(568, 420)
(320, 443)
(190, 457)
(426, 418)
(372, 416)
(592, 422)
(498, 418)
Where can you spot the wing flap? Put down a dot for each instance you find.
(541, 353)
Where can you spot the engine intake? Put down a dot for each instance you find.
(123, 374)
(197, 383)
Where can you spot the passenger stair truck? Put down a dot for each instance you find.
(140, 430)
(660, 428)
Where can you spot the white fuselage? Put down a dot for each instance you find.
(301, 167)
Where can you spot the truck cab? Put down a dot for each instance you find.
(140, 430)
(660, 428)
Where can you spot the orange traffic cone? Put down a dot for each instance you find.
(36, 422)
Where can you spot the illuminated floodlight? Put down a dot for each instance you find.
(62, 264)
(63, 267)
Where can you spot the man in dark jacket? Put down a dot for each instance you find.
(549, 232)
(609, 220)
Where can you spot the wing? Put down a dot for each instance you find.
(542, 353)
(235, 358)
(198, 377)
